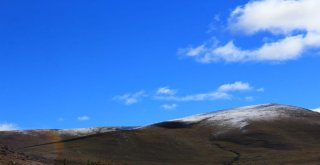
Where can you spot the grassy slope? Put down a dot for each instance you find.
(276, 142)
(293, 140)
(144, 147)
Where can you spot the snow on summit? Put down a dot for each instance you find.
(239, 117)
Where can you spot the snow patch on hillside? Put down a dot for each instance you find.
(239, 117)
(68, 132)
(85, 131)
(317, 110)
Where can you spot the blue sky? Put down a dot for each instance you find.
(71, 64)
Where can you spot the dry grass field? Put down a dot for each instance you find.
(291, 140)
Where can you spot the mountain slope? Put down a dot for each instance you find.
(262, 134)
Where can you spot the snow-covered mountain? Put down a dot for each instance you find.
(259, 134)
(240, 117)
(235, 117)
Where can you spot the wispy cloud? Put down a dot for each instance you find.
(293, 32)
(130, 98)
(8, 127)
(236, 86)
(83, 118)
(222, 92)
(169, 106)
(196, 97)
(166, 91)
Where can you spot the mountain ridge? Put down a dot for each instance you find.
(259, 134)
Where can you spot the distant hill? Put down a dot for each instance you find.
(260, 134)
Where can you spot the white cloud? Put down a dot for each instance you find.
(295, 22)
(166, 91)
(223, 92)
(236, 86)
(277, 16)
(169, 106)
(193, 52)
(197, 97)
(83, 118)
(130, 98)
(8, 127)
